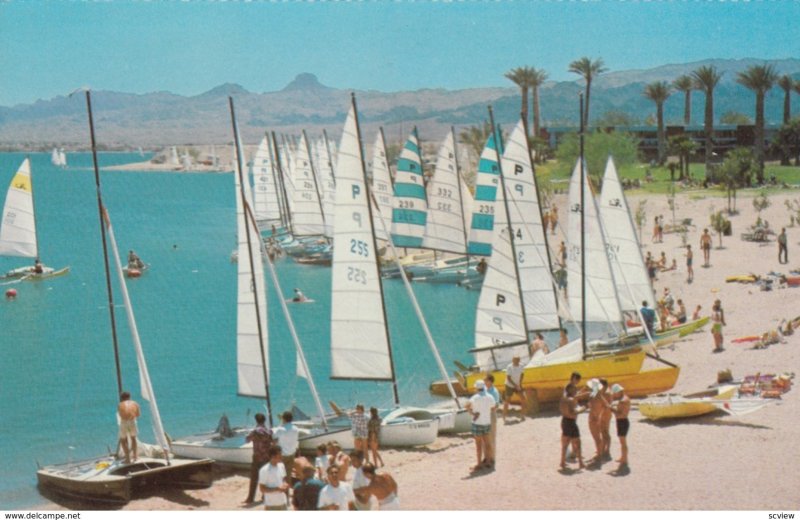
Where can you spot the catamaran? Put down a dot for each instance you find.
(18, 235)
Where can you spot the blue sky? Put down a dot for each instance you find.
(50, 47)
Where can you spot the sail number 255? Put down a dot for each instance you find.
(359, 247)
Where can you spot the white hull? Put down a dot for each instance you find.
(223, 450)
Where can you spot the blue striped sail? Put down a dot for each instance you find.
(410, 206)
(483, 207)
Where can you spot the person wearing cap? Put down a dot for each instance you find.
(481, 406)
(570, 435)
(514, 374)
(621, 409)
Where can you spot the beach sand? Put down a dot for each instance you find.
(716, 462)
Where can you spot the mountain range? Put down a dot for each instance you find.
(162, 118)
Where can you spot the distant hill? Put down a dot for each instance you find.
(160, 118)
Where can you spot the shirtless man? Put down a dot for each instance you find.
(621, 410)
(596, 406)
(605, 420)
(563, 340)
(383, 487)
(128, 411)
(705, 245)
(570, 435)
(537, 345)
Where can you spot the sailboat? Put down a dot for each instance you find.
(18, 235)
(108, 478)
(58, 158)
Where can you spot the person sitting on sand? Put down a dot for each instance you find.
(299, 297)
(127, 413)
(570, 435)
(383, 487)
(662, 261)
(621, 410)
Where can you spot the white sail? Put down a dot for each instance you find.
(602, 304)
(630, 273)
(265, 187)
(186, 160)
(307, 218)
(250, 366)
(381, 184)
(483, 206)
(173, 157)
(62, 158)
(327, 183)
(18, 227)
(445, 227)
(55, 158)
(359, 341)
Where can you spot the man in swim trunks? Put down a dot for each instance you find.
(689, 269)
(621, 410)
(705, 245)
(383, 487)
(128, 411)
(570, 435)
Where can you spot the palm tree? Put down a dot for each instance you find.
(684, 84)
(706, 78)
(522, 77)
(475, 137)
(538, 77)
(658, 92)
(588, 69)
(787, 84)
(760, 79)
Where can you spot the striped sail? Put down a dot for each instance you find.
(359, 341)
(602, 304)
(445, 228)
(327, 183)
(265, 189)
(410, 205)
(483, 207)
(249, 363)
(18, 227)
(627, 264)
(307, 218)
(381, 184)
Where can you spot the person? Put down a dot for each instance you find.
(596, 407)
(717, 320)
(689, 269)
(681, 314)
(127, 412)
(537, 345)
(696, 313)
(705, 245)
(360, 482)
(514, 374)
(782, 250)
(492, 390)
(570, 434)
(650, 263)
(38, 268)
(339, 459)
(661, 228)
(274, 482)
(373, 433)
(662, 261)
(358, 427)
(134, 262)
(655, 230)
(546, 220)
(287, 436)
(605, 420)
(563, 339)
(299, 297)
(562, 254)
(669, 300)
(336, 495)
(649, 317)
(481, 267)
(383, 487)
(481, 406)
(322, 462)
(553, 219)
(262, 441)
(305, 494)
(620, 411)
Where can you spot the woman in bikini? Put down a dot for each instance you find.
(717, 320)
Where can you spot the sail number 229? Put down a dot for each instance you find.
(357, 275)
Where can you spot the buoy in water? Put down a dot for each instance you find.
(11, 294)
(134, 273)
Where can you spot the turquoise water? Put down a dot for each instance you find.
(58, 385)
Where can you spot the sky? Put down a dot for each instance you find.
(51, 47)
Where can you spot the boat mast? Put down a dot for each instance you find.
(250, 259)
(105, 245)
(375, 249)
(508, 224)
(316, 184)
(33, 203)
(583, 238)
(281, 181)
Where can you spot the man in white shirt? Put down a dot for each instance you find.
(360, 482)
(337, 495)
(273, 482)
(514, 373)
(288, 438)
(481, 405)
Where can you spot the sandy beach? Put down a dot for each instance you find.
(715, 462)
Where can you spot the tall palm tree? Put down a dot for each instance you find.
(685, 84)
(522, 77)
(589, 70)
(538, 77)
(787, 84)
(706, 78)
(760, 79)
(658, 92)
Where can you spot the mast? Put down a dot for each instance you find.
(583, 237)
(316, 184)
(288, 212)
(245, 206)
(33, 203)
(105, 245)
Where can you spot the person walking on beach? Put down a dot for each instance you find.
(305, 494)
(689, 269)
(358, 426)
(514, 373)
(262, 441)
(288, 438)
(570, 435)
(127, 413)
(782, 250)
(621, 410)
(373, 433)
(337, 495)
(383, 487)
(481, 406)
(705, 245)
(717, 322)
(273, 481)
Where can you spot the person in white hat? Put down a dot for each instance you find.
(621, 409)
(481, 406)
